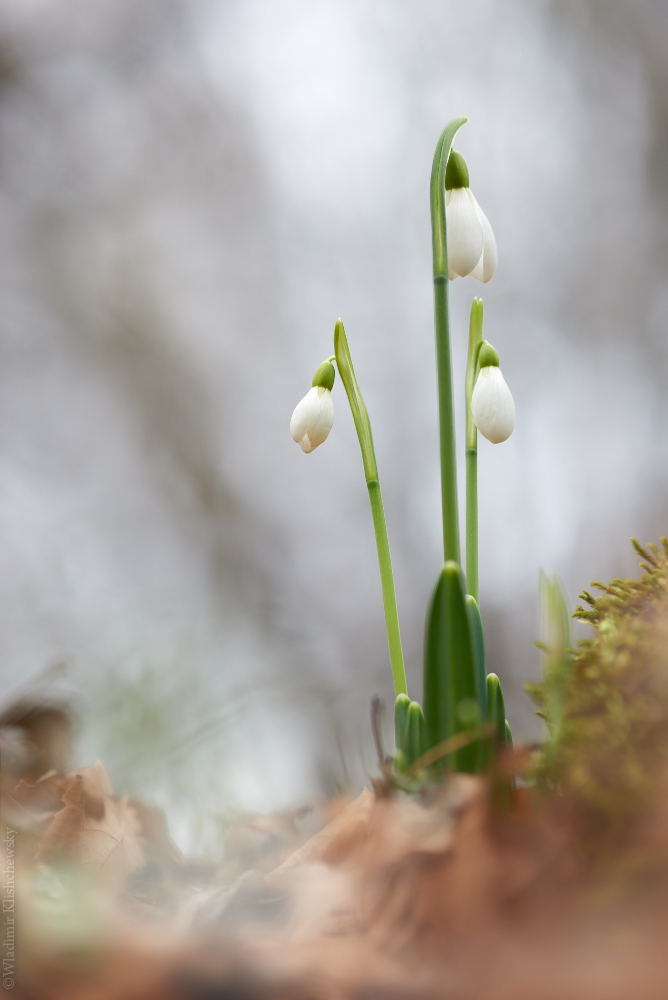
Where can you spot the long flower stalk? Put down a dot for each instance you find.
(443, 351)
(363, 428)
(475, 340)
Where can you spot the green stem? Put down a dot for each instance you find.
(472, 522)
(387, 584)
(363, 428)
(443, 351)
(475, 340)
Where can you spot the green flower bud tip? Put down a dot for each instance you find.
(456, 172)
(487, 356)
(324, 376)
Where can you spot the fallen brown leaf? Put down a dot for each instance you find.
(94, 829)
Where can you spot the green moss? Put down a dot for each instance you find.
(606, 703)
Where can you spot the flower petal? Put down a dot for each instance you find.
(312, 418)
(304, 415)
(492, 405)
(318, 431)
(486, 266)
(464, 232)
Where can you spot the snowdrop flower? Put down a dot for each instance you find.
(492, 403)
(471, 243)
(313, 417)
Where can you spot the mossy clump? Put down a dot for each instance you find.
(606, 703)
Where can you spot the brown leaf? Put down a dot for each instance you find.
(63, 837)
(94, 828)
(29, 806)
(41, 796)
(338, 838)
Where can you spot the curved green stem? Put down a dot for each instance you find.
(363, 428)
(475, 340)
(443, 351)
(387, 584)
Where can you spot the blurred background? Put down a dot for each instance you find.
(192, 192)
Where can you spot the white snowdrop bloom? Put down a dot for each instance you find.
(492, 403)
(471, 244)
(313, 416)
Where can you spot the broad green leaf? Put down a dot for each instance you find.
(449, 673)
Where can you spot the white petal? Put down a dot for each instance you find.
(304, 415)
(312, 418)
(318, 431)
(464, 232)
(486, 266)
(478, 271)
(492, 405)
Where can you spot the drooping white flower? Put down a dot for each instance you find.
(492, 403)
(313, 416)
(470, 239)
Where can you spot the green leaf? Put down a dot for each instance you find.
(478, 649)
(414, 732)
(401, 720)
(557, 658)
(496, 707)
(449, 672)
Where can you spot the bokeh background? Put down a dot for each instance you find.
(192, 192)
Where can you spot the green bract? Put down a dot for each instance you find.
(363, 428)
